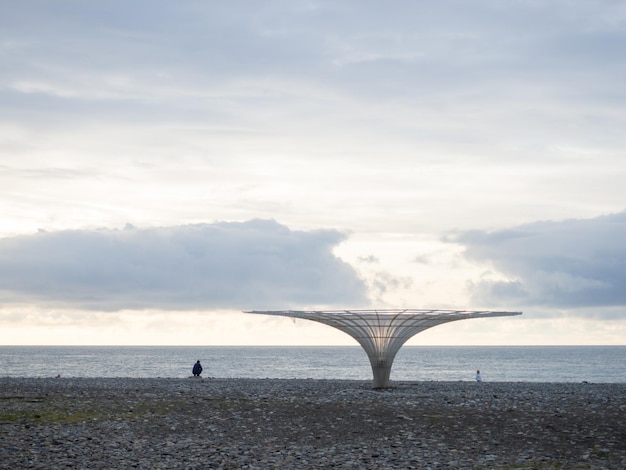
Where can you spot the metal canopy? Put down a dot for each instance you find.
(382, 333)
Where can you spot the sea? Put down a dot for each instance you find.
(594, 364)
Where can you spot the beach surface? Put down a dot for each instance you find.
(195, 423)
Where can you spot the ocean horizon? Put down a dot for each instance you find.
(598, 364)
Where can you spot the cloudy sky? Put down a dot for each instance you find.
(165, 165)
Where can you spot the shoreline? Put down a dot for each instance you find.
(309, 423)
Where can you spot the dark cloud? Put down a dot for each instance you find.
(254, 264)
(566, 264)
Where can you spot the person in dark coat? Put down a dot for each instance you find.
(197, 369)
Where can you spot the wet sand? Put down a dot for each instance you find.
(267, 423)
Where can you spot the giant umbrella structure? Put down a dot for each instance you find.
(383, 332)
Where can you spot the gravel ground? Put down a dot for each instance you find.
(265, 423)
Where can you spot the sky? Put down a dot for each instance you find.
(165, 166)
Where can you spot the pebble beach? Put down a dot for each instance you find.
(194, 423)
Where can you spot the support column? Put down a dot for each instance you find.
(381, 355)
(381, 370)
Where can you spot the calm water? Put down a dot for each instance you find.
(498, 364)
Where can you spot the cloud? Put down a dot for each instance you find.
(369, 259)
(193, 57)
(560, 264)
(253, 264)
(383, 282)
